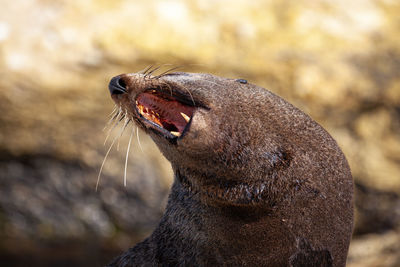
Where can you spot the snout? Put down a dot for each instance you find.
(117, 86)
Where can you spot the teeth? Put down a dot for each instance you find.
(186, 117)
(176, 133)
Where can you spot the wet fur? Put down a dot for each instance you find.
(257, 182)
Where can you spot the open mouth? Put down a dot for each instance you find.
(169, 114)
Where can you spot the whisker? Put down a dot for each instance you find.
(112, 112)
(123, 128)
(167, 71)
(127, 154)
(104, 160)
(171, 69)
(147, 69)
(169, 87)
(118, 120)
(111, 120)
(138, 139)
(110, 130)
(191, 96)
(152, 71)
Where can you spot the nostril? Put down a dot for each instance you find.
(122, 83)
(117, 86)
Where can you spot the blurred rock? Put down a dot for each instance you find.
(375, 250)
(376, 211)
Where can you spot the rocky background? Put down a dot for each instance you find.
(338, 60)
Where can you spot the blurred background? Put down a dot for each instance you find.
(339, 61)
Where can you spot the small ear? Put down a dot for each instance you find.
(305, 256)
(280, 158)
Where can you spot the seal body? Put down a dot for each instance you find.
(257, 181)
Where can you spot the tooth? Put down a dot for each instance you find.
(176, 133)
(186, 117)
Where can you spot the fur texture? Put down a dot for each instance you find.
(257, 181)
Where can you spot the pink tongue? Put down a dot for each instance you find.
(169, 109)
(172, 115)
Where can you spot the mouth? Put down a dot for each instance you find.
(166, 113)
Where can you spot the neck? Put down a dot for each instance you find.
(199, 232)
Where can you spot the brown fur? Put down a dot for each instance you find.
(257, 181)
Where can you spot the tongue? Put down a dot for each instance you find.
(168, 108)
(173, 120)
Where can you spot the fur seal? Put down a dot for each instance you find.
(257, 182)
